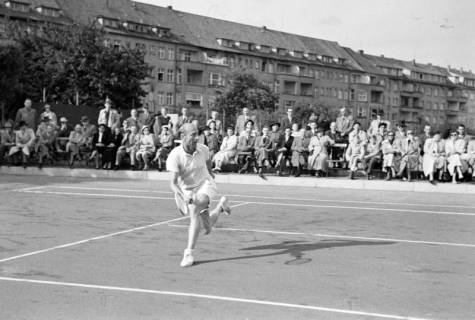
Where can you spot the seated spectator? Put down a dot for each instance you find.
(213, 130)
(461, 133)
(129, 146)
(333, 133)
(454, 148)
(24, 142)
(133, 120)
(165, 120)
(434, 158)
(210, 140)
(295, 130)
(50, 115)
(275, 136)
(245, 147)
(146, 149)
(300, 151)
(355, 152)
(374, 126)
(62, 135)
(165, 145)
(470, 156)
(391, 155)
(185, 117)
(7, 140)
(218, 124)
(284, 150)
(99, 143)
(289, 119)
(242, 120)
(318, 150)
(76, 143)
(426, 134)
(227, 151)
(410, 154)
(88, 130)
(46, 139)
(382, 133)
(372, 156)
(313, 127)
(336, 153)
(145, 118)
(110, 153)
(263, 146)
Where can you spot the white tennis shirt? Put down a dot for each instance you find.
(191, 168)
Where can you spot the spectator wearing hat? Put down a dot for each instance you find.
(218, 123)
(344, 123)
(76, 143)
(284, 150)
(27, 114)
(300, 151)
(275, 136)
(129, 146)
(49, 114)
(7, 140)
(210, 140)
(245, 147)
(242, 120)
(165, 145)
(355, 154)
(263, 147)
(318, 153)
(24, 142)
(374, 125)
(146, 149)
(62, 134)
(227, 151)
(110, 153)
(108, 116)
(382, 133)
(100, 140)
(46, 140)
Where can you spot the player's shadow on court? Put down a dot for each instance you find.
(297, 249)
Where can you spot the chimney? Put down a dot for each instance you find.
(264, 28)
(414, 61)
(382, 56)
(170, 7)
(361, 51)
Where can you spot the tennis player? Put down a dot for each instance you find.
(193, 181)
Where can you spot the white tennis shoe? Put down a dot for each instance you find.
(188, 259)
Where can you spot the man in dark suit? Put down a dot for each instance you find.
(284, 150)
(100, 141)
(289, 120)
(245, 148)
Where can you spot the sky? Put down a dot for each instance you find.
(440, 32)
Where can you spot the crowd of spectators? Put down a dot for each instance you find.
(287, 146)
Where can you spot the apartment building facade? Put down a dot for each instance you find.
(194, 57)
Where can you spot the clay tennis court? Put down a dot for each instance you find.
(90, 249)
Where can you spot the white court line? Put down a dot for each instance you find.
(276, 198)
(321, 235)
(28, 189)
(91, 239)
(379, 210)
(67, 245)
(213, 297)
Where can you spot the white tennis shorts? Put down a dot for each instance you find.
(208, 188)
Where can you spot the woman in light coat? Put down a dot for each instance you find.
(454, 148)
(318, 150)
(227, 151)
(434, 157)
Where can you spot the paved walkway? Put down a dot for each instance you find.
(252, 179)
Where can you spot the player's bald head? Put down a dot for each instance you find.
(188, 129)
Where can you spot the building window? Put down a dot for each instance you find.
(257, 65)
(153, 50)
(169, 98)
(232, 62)
(161, 53)
(171, 54)
(117, 44)
(17, 6)
(362, 96)
(187, 56)
(160, 98)
(215, 79)
(179, 76)
(340, 94)
(170, 75)
(276, 86)
(160, 74)
(345, 95)
(322, 92)
(317, 91)
(361, 112)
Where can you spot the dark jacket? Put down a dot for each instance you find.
(212, 142)
(106, 139)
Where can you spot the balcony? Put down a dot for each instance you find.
(457, 96)
(194, 77)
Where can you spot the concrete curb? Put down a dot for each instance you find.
(312, 182)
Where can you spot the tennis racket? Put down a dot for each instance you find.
(181, 204)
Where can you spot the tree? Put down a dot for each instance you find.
(11, 64)
(71, 62)
(246, 91)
